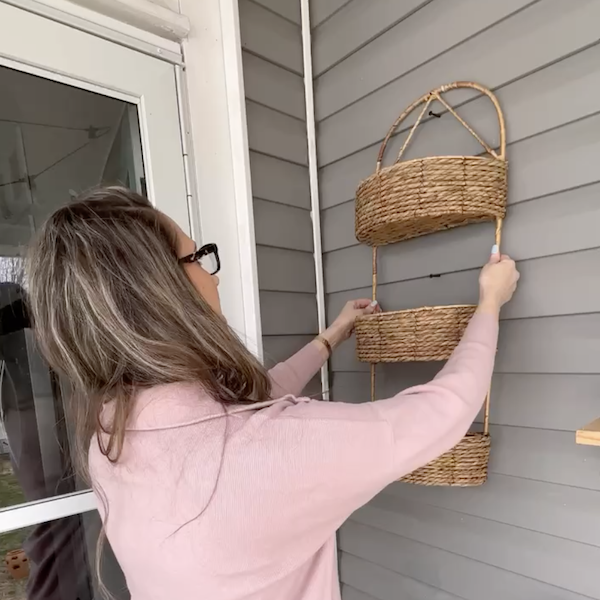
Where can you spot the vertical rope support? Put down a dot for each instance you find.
(374, 297)
(486, 415)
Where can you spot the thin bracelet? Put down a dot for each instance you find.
(325, 343)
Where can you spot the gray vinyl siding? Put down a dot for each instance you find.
(533, 531)
(274, 86)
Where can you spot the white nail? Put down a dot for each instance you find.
(374, 303)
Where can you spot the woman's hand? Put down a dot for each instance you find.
(497, 283)
(341, 329)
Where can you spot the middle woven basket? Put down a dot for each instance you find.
(429, 333)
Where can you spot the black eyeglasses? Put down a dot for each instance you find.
(207, 256)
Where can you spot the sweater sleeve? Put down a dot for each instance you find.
(341, 455)
(290, 377)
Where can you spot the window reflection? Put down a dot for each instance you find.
(55, 141)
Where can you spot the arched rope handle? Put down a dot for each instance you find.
(436, 94)
(486, 415)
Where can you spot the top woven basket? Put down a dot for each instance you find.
(415, 197)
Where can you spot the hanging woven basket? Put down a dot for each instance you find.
(425, 334)
(463, 466)
(422, 334)
(415, 197)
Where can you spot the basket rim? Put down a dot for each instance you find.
(460, 156)
(419, 309)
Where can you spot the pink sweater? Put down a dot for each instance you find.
(195, 517)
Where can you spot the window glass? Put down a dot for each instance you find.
(55, 141)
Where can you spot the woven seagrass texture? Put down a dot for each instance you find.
(415, 197)
(422, 196)
(421, 334)
(465, 465)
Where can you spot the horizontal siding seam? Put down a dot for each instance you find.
(536, 318)
(557, 316)
(520, 373)
(276, 291)
(374, 37)
(370, 562)
(277, 110)
(335, 12)
(469, 270)
(293, 335)
(539, 317)
(476, 560)
(287, 248)
(275, 64)
(520, 527)
(361, 592)
(287, 292)
(566, 485)
(275, 13)
(278, 203)
(569, 485)
(474, 98)
(288, 335)
(291, 162)
(429, 60)
(269, 155)
(508, 144)
(524, 373)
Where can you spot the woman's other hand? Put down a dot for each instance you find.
(351, 311)
(343, 326)
(497, 282)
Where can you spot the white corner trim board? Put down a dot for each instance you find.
(221, 162)
(145, 27)
(238, 133)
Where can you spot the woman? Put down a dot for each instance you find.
(217, 480)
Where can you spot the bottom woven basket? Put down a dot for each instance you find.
(429, 333)
(463, 466)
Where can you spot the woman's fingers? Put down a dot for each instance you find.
(362, 303)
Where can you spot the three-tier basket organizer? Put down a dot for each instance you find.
(409, 199)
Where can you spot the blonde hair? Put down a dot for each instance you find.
(115, 312)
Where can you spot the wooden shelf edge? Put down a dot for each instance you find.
(589, 435)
